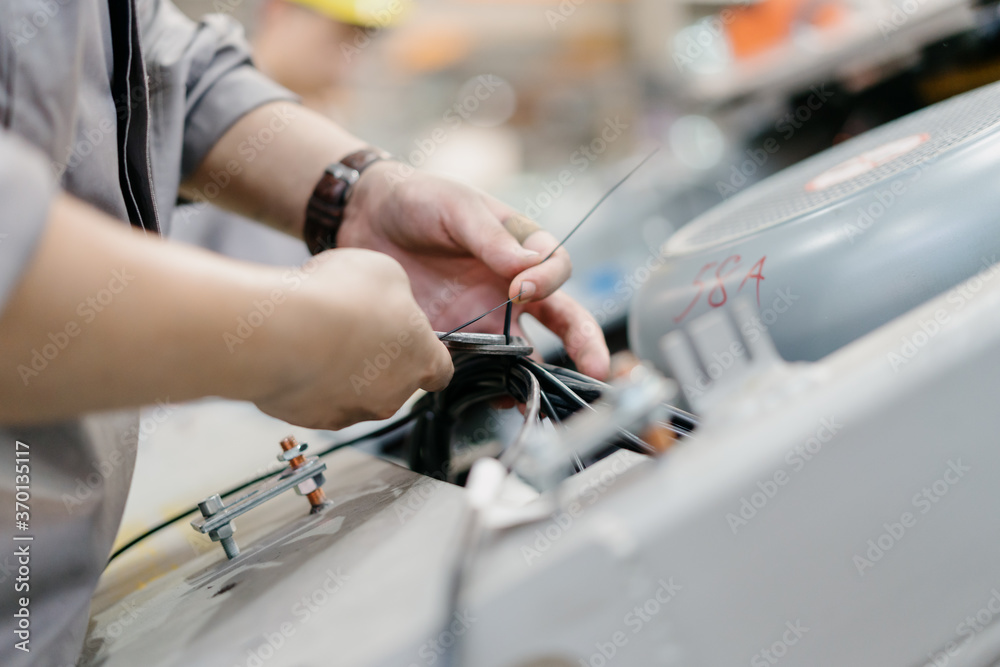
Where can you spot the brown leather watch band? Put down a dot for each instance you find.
(325, 211)
(366, 157)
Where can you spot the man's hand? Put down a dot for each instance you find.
(462, 260)
(139, 320)
(450, 238)
(358, 344)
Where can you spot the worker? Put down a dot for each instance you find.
(310, 47)
(110, 111)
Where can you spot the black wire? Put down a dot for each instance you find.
(481, 378)
(470, 322)
(389, 428)
(509, 302)
(601, 201)
(506, 322)
(637, 444)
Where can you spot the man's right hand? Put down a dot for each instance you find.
(356, 342)
(105, 317)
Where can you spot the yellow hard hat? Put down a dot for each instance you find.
(365, 13)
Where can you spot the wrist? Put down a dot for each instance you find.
(305, 326)
(255, 334)
(328, 203)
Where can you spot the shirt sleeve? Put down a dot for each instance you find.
(210, 59)
(27, 188)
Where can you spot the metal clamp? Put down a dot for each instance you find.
(304, 474)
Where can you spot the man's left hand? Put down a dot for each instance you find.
(462, 260)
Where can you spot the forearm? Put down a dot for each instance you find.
(106, 317)
(272, 159)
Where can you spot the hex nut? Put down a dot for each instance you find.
(211, 505)
(306, 487)
(222, 532)
(311, 484)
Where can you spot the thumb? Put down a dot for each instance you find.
(480, 232)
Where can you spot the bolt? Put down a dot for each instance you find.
(224, 534)
(316, 498)
(230, 547)
(291, 443)
(211, 505)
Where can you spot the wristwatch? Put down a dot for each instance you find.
(325, 211)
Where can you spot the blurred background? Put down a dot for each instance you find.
(546, 103)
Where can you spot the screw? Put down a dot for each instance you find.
(224, 534)
(316, 498)
(211, 505)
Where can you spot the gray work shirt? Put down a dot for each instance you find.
(115, 102)
(235, 236)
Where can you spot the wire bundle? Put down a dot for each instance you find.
(545, 391)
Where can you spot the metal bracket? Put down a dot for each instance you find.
(217, 519)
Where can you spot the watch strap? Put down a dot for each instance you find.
(325, 210)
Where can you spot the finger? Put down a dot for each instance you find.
(520, 227)
(541, 280)
(479, 231)
(578, 330)
(441, 368)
